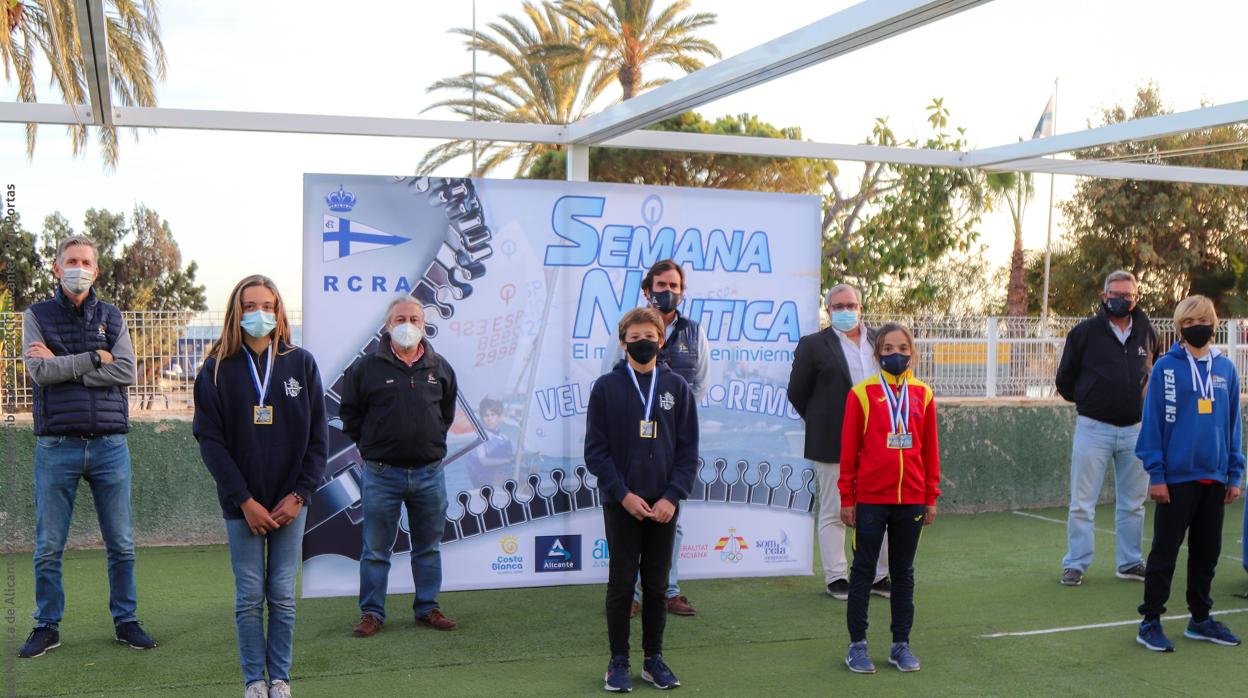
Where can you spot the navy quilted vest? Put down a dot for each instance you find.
(71, 408)
(680, 351)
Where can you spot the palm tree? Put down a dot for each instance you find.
(1016, 189)
(136, 57)
(546, 81)
(626, 35)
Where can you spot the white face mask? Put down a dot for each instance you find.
(406, 335)
(77, 280)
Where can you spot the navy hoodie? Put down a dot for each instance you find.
(1176, 443)
(261, 462)
(623, 461)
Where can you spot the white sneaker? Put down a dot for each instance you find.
(256, 689)
(279, 689)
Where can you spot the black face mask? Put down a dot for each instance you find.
(643, 350)
(1197, 335)
(665, 301)
(1117, 307)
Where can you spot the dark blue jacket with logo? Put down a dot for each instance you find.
(255, 461)
(623, 461)
(71, 408)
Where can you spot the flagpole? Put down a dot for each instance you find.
(1048, 236)
(474, 83)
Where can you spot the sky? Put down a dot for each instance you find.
(234, 200)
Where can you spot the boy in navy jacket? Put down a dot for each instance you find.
(1190, 444)
(641, 442)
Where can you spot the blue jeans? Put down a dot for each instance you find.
(673, 575)
(386, 490)
(264, 570)
(104, 462)
(1096, 445)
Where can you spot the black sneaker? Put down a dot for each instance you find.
(839, 589)
(1134, 573)
(1071, 577)
(39, 641)
(884, 588)
(131, 634)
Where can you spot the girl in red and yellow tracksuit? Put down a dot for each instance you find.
(890, 477)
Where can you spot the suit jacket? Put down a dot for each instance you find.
(819, 383)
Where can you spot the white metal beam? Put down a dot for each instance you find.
(777, 147)
(42, 113)
(576, 165)
(852, 28)
(93, 34)
(1135, 130)
(206, 119)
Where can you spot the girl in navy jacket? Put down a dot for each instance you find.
(1190, 444)
(260, 423)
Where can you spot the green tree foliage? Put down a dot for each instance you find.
(901, 217)
(545, 79)
(712, 170)
(21, 267)
(625, 36)
(1177, 238)
(136, 57)
(1015, 190)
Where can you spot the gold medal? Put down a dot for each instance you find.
(1204, 406)
(648, 429)
(262, 414)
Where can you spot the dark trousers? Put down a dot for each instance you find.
(903, 524)
(1197, 509)
(637, 545)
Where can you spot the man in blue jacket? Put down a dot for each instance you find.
(1191, 446)
(78, 354)
(641, 442)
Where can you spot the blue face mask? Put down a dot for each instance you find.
(845, 320)
(258, 323)
(895, 364)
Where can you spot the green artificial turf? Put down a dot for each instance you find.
(977, 574)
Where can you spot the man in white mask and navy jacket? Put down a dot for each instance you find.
(78, 354)
(1104, 370)
(397, 405)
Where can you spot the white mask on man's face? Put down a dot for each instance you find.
(406, 335)
(77, 280)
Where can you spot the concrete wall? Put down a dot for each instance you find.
(997, 455)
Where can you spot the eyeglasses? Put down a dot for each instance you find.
(839, 307)
(1126, 296)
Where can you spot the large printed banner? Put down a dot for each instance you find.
(523, 283)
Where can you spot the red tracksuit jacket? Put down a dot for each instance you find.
(873, 473)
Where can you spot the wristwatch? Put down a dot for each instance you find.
(96, 360)
(299, 498)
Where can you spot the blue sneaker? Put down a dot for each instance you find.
(39, 641)
(858, 660)
(656, 672)
(1211, 630)
(1152, 637)
(901, 657)
(617, 679)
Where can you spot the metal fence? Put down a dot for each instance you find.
(990, 357)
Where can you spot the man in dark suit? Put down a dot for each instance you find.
(826, 365)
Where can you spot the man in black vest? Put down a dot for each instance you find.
(1104, 369)
(826, 365)
(78, 354)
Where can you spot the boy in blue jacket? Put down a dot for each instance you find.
(641, 442)
(1190, 444)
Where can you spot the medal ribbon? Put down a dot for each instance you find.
(262, 389)
(898, 405)
(1205, 386)
(647, 404)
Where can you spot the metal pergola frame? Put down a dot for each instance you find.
(618, 126)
